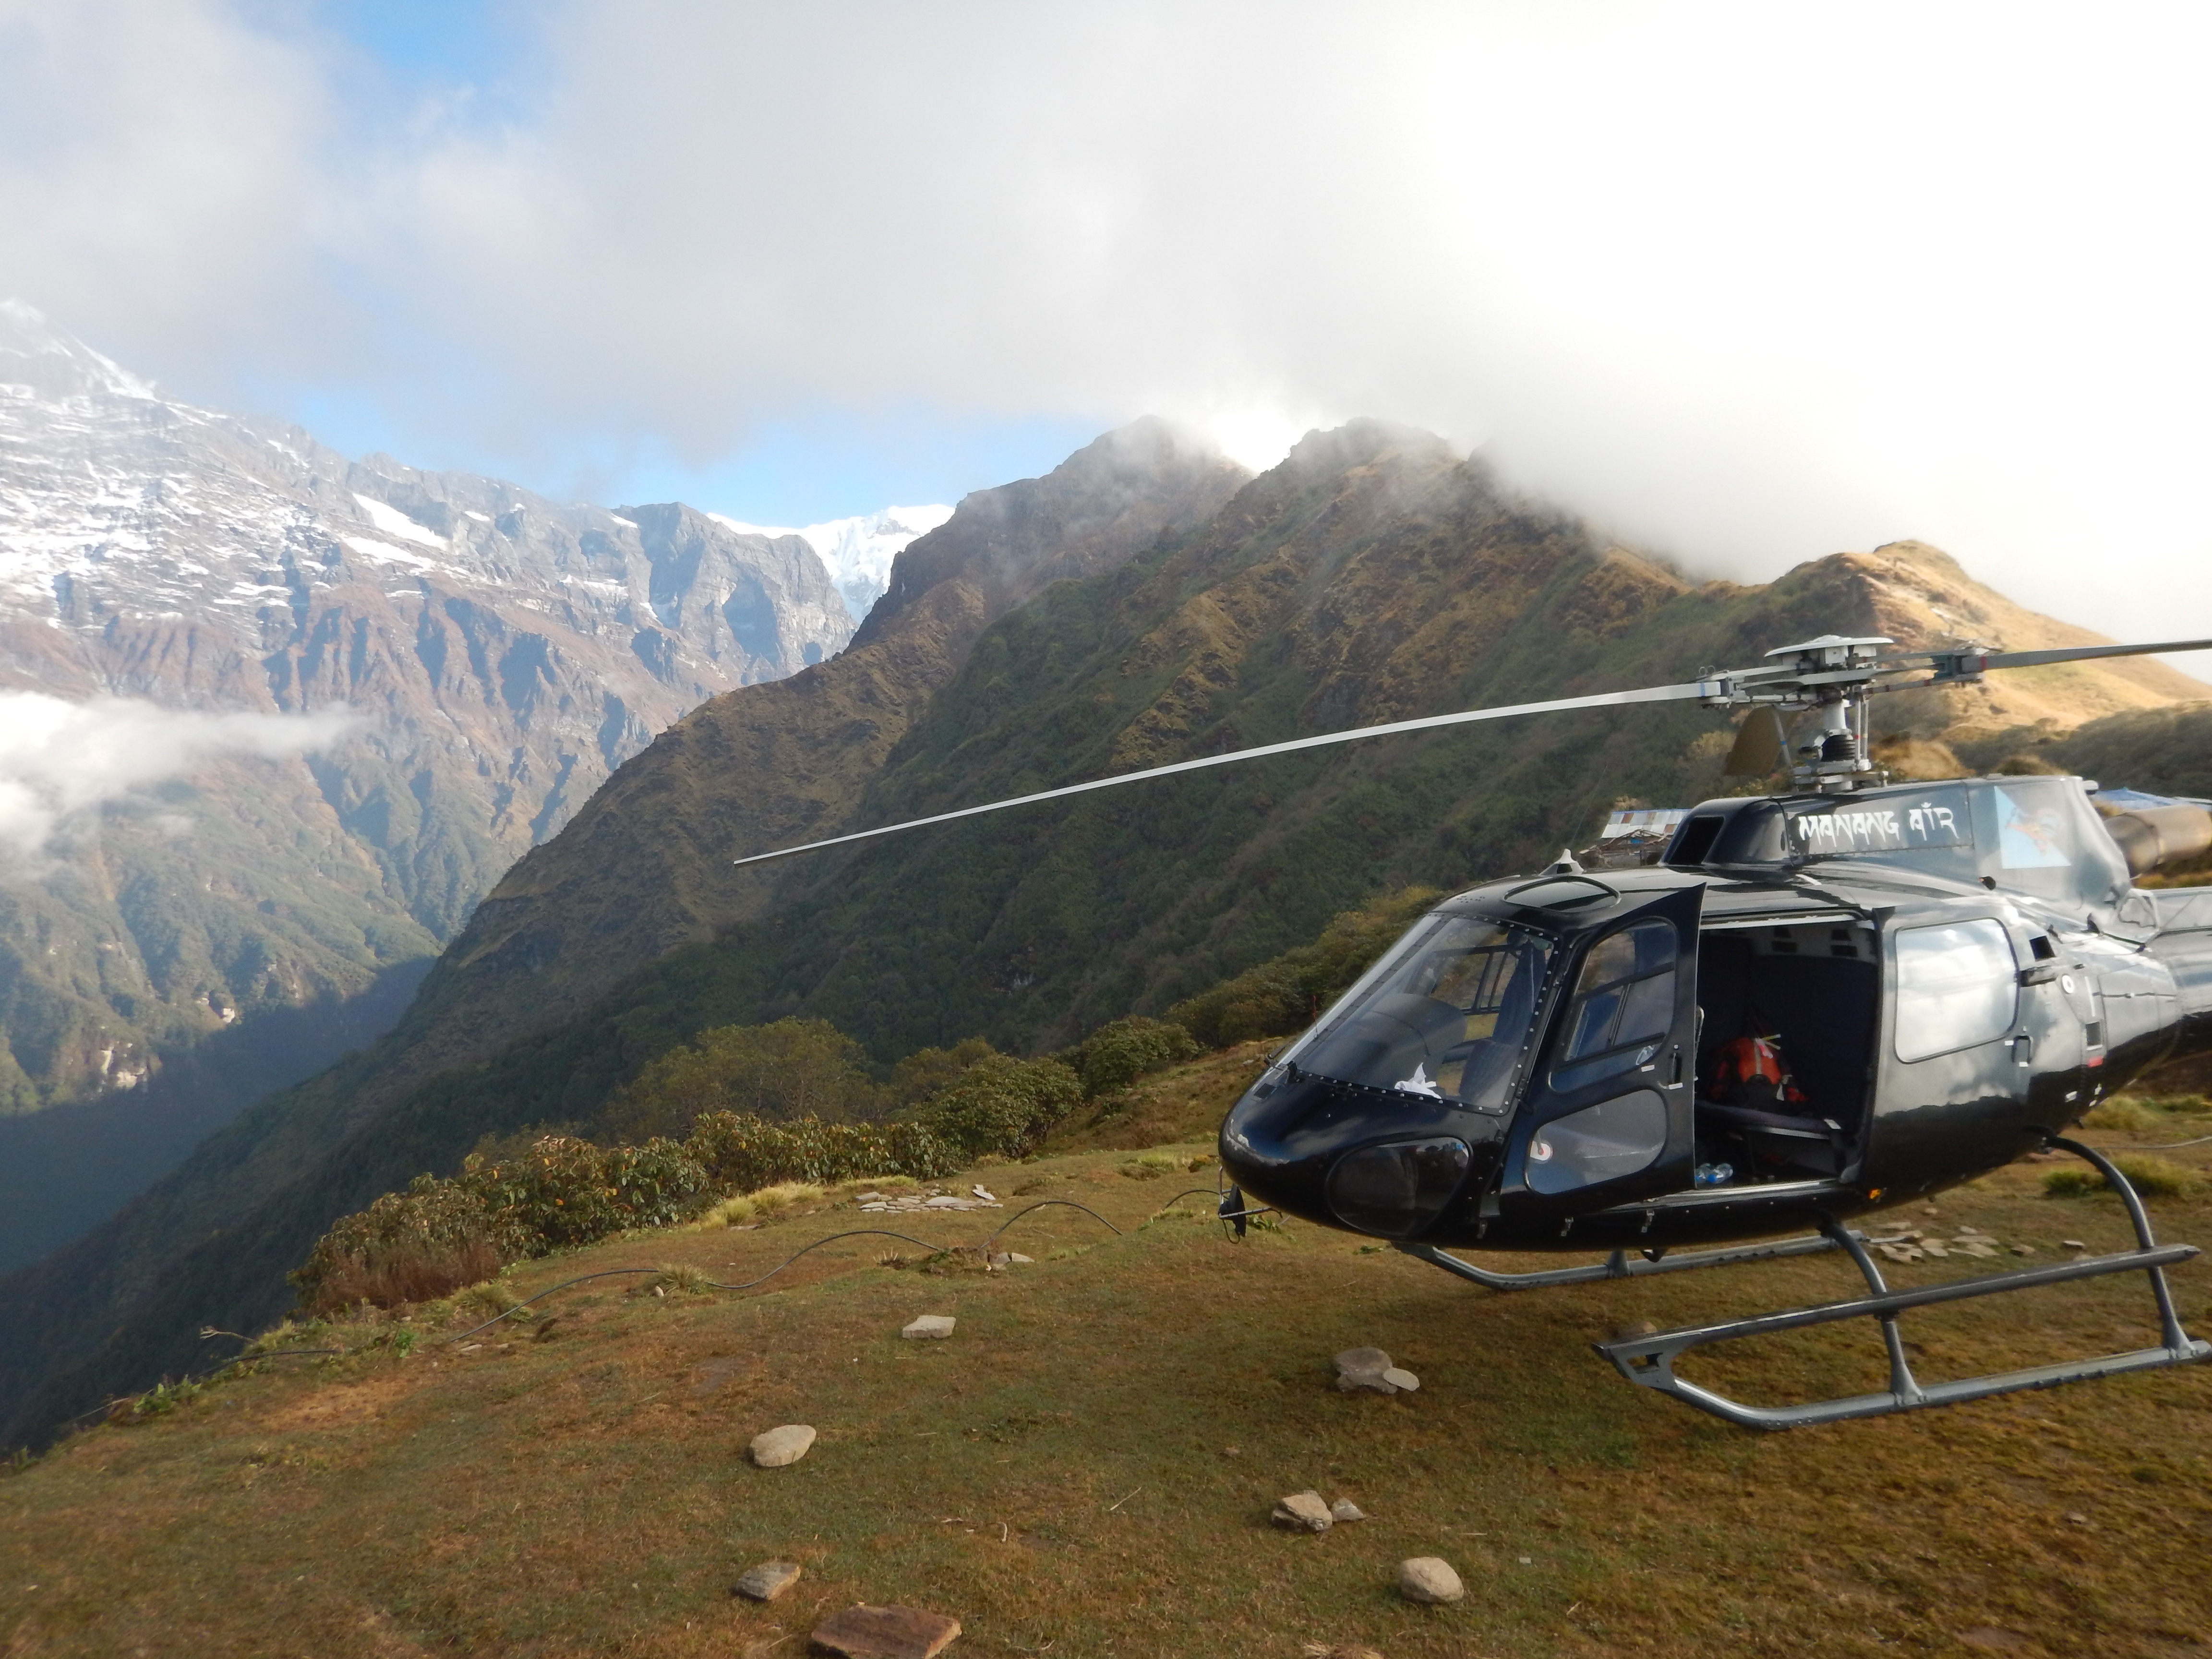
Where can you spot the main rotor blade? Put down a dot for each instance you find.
(1602, 700)
(2079, 653)
(1973, 662)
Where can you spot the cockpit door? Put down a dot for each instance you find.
(1607, 1112)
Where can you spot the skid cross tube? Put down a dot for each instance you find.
(1620, 1264)
(1648, 1361)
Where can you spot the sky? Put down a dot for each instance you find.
(1746, 283)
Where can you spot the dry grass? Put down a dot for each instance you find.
(786, 1197)
(396, 1278)
(1091, 1459)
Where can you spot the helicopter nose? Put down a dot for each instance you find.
(1345, 1156)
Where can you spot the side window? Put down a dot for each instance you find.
(1623, 1006)
(1956, 987)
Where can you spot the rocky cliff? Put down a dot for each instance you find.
(504, 655)
(272, 722)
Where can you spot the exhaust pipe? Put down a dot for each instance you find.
(2152, 835)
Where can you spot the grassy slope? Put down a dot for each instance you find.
(1089, 1461)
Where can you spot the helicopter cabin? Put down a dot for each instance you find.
(1933, 973)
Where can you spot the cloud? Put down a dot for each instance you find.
(1752, 283)
(60, 760)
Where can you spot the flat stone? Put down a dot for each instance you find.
(1399, 1377)
(1303, 1512)
(866, 1632)
(767, 1581)
(1426, 1578)
(930, 1325)
(1344, 1510)
(2072, 1245)
(774, 1448)
(1365, 1382)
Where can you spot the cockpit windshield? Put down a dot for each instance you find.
(1446, 1015)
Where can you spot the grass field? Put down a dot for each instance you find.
(1086, 1466)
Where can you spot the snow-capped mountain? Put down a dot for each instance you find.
(858, 551)
(500, 655)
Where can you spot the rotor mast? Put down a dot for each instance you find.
(1830, 677)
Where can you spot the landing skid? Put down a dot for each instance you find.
(1620, 1264)
(1648, 1361)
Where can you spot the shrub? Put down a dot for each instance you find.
(1117, 1055)
(1150, 1166)
(789, 1069)
(567, 1191)
(746, 1154)
(2152, 1177)
(1285, 994)
(926, 1071)
(413, 1246)
(2157, 1178)
(1003, 1105)
(2131, 1116)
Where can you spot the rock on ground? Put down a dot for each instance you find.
(930, 1325)
(1344, 1510)
(866, 1632)
(1369, 1371)
(1304, 1511)
(776, 1447)
(1426, 1578)
(767, 1581)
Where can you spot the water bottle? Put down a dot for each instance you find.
(1714, 1175)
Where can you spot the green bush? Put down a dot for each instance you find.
(1284, 995)
(566, 1191)
(1003, 1106)
(743, 1154)
(1115, 1056)
(791, 1068)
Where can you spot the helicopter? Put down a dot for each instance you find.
(1591, 1059)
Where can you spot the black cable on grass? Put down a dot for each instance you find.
(1194, 1192)
(1047, 1203)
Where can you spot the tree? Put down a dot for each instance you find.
(791, 1068)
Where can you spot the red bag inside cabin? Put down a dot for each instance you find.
(1749, 1072)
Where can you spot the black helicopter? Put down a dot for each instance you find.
(1592, 1058)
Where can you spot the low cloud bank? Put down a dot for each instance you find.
(61, 760)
